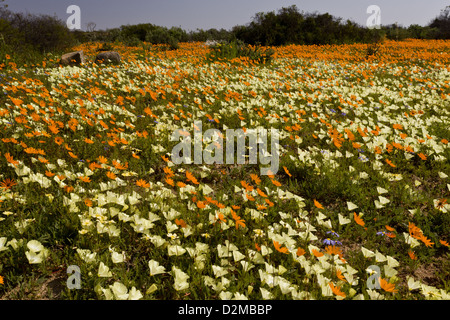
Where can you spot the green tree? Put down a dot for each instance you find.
(442, 24)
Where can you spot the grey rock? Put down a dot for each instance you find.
(108, 57)
(72, 58)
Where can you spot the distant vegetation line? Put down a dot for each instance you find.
(28, 36)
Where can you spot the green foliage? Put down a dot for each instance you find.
(210, 34)
(238, 49)
(26, 37)
(441, 24)
(289, 26)
(135, 34)
(106, 46)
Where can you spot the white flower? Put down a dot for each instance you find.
(172, 236)
(176, 250)
(120, 291)
(37, 253)
(103, 271)
(135, 294)
(266, 294)
(117, 257)
(180, 279)
(219, 271)
(2, 244)
(34, 258)
(258, 232)
(86, 255)
(155, 268)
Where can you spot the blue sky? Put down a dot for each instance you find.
(205, 14)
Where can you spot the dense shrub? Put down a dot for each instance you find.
(289, 26)
(238, 49)
(210, 34)
(284, 27)
(136, 34)
(44, 33)
(441, 24)
(25, 38)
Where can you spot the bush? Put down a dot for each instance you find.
(44, 33)
(161, 35)
(441, 24)
(134, 35)
(26, 38)
(238, 49)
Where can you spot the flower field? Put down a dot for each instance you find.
(357, 210)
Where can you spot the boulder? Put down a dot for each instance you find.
(72, 58)
(108, 57)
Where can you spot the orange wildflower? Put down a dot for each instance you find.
(85, 179)
(422, 156)
(261, 193)
(201, 204)
(102, 159)
(111, 175)
(59, 140)
(275, 182)
(358, 219)
(317, 204)
(168, 172)
(444, 243)
(142, 183)
(426, 241)
(336, 290)
(49, 174)
(255, 178)
(10, 159)
(181, 184)
(278, 247)
(333, 250)
(191, 177)
(340, 275)
(412, 255)
(246, 186)
(287, 171)
(386, 286)
(181, 223)
(241, 223)
(316, 253)
(88, 202)
(389, 162)
(249, 197)
(221, 217)
(300, 252)
(73, 155)
(7, 183)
